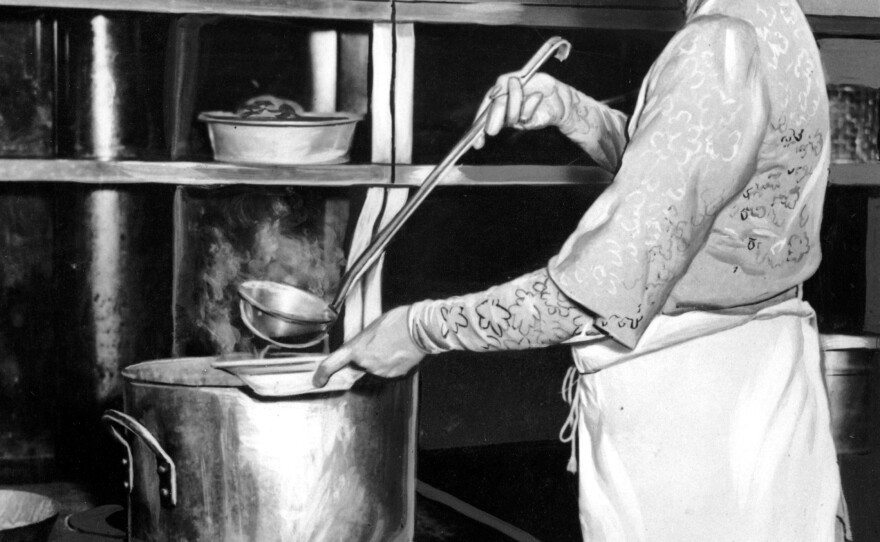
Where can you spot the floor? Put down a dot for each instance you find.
(527, 486)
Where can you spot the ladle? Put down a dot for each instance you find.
(309, 316)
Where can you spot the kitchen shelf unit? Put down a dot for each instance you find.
(360, 10)
(394, 26)
(399, 17)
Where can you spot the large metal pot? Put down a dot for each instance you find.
(213, 462)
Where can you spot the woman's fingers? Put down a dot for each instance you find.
(497, 90)
(514, 101)
(331, 365)
(509, 103)
(530, 106)
(497, 113)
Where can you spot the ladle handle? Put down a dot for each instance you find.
(555, 46)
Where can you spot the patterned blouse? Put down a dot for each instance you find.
(718, 199)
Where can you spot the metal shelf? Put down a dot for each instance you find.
(212, 173)
(837, 8)
(187, 173)
(363, 10)
(829, 17)
(826, 17)
(507, 175)
(541, 15)
(855, 174)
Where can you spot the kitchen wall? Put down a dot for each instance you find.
(27, 371)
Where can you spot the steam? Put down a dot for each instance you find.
(216, 307)
(298, 261)
(259, 237)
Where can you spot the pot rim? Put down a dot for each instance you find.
(182, 371)
(304, 120)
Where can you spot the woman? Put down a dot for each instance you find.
(700, 409)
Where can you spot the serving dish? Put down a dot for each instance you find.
(287, 376)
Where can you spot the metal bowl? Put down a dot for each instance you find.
(286, 302)
(319, 138)
(281, 332)
(25, 516)
(274, 311)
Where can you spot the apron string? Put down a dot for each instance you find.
(571, 394)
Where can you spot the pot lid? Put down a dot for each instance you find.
(183, 372)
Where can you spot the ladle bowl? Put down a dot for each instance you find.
(274, 311)
(286, 302)
(276, 330)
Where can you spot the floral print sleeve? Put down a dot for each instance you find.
(526, 312)
(694, 145)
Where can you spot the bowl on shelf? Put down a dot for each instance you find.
(287, 376)
(294, 138)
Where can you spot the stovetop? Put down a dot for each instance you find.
(524, 484)
(434, 523)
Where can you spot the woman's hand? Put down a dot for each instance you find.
(542, 102)
(384, 349)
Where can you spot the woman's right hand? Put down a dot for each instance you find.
(542, 101)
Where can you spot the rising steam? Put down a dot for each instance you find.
(292, 238)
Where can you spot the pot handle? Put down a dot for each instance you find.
(165, 467)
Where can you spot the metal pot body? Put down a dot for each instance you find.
(330, 467)
(851, 377)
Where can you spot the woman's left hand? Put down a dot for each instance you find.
(542, 101)
(384, 349)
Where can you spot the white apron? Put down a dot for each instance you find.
(715, 428)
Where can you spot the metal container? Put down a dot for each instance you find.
(213, 462)
(26, 516)
(110, 98)
(112, 274)
(27, 79)
(850, 365)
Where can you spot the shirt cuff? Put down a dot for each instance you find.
(625, 329)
